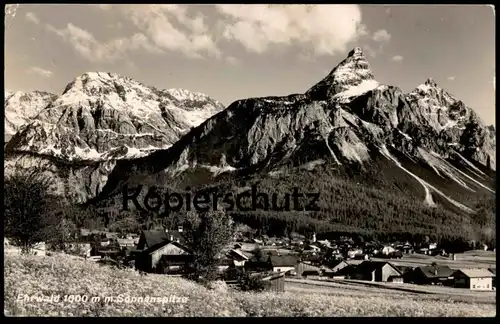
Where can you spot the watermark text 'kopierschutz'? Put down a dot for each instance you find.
(157, 200)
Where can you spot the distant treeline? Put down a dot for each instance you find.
(363, 201)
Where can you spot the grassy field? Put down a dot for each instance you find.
(469, 259)
(418, 292)
(62, 275)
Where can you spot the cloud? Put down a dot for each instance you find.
(325, 29)
(317, 29)
(382, 36)
(451, 78)
(172, 28)
(41, 72)
(232, 60)
(397, 58)
(30, 16)
(85, 44)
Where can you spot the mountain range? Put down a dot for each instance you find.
(98, 119)
(382, 159)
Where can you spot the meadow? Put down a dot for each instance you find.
(62, 275)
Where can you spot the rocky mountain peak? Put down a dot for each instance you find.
(357, 51)
(354, 71)
(20, 107)
(430, 82)
(104, 116)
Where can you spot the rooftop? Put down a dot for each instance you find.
(438, 271)
(477, 273)
(283, 260)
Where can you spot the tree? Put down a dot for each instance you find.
(63, 232)
(29, 216)
(125, 225)
(207, 233)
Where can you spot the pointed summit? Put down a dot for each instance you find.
(430, 82)
(357, 51)
(351, 72)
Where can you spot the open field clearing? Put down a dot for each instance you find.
(469, 259)
(60, 275)
(418, 292)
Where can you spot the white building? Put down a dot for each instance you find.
(474, 279)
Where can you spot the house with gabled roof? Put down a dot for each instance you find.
(156, 246)
(238, 257)
(283, 263)
(474, 279)
(431, 275)
(375, 271)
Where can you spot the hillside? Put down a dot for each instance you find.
(34, 276)
(384, 161)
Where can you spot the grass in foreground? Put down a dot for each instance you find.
(62, 275)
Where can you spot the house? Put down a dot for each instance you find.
(431, 275)
(338, 265)
(304, 266)
(238, 257)
(112, 251)
(79, 248)
(375, 271)
(148, 239)
(112, 235)
(84, 232)
(407, 248)
(311, 274)
(494, 272)
(314, 248)
(474, 279)
(283, 263)
(386, 250)
(126, 242)
(171, 254)
(257, 241)
(351, 254)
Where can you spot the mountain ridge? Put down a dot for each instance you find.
(98, 119)
(328, 127)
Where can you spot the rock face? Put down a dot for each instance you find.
(346, 119)
(98, 119)
(103, 116)
(20, 108)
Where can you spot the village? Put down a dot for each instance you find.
(280, 260)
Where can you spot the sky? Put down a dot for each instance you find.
(231, 52)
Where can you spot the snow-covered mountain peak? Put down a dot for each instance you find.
(351, 72)
(20, 107)
(183, 94)
(100, 113)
